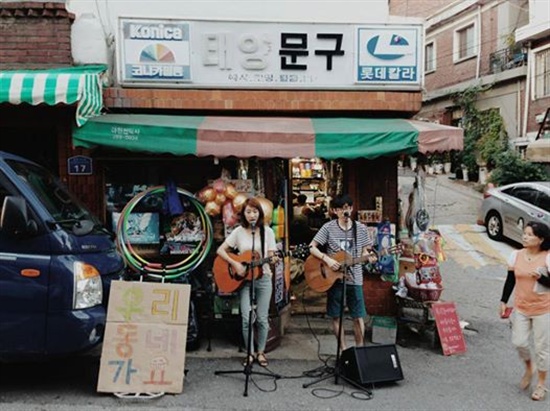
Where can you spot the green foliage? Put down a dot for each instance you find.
(511, 168)
(484, 132)
(493, 138)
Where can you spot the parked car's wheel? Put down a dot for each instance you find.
(493, 222)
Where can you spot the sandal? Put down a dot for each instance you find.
(248, 361)
(539, 393)
(526, 380)
(262, 360)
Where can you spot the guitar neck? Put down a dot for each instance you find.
(357, 260)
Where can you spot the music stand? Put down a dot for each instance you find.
(336, 371)
(247, 368)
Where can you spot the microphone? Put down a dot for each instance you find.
(346, 214)
(253, 225)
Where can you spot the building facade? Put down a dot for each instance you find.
(200, 72)
(489, 44)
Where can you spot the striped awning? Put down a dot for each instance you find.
(71, 85)
(267, 137)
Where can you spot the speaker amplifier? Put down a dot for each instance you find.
(371, 364)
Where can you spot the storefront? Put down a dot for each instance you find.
(263, 156)
(277, 108)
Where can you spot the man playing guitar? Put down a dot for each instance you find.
(345, 234)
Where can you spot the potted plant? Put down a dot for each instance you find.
(447, 162)
(464, 168)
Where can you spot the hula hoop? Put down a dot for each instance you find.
(159, 270)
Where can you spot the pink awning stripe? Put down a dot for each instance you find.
(256, 137)
(437, 137)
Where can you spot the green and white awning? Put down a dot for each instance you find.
(71, 85)
(267, 137)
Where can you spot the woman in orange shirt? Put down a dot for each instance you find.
(528, 275)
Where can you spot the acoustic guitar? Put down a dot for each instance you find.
(320, 277)
(228, 281)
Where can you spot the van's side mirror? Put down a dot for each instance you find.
(14, 220)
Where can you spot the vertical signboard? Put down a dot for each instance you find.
(448, 327)
(145, 338)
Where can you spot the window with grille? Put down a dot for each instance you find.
(465, 42)
(429, 57)
(542, 73)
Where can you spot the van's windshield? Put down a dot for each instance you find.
(63, 206)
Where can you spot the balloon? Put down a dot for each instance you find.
(267, 207)
(230, 191)
(220, 199)
(207, 194)
(219, 185)
(238, 201)
(212, 209)
(230, 217)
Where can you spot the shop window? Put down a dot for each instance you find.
(429, 57)
(542, 74)
(465, 43)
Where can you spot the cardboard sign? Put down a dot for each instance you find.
(448, 327)
(145, 338)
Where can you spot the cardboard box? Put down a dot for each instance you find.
(384, 330)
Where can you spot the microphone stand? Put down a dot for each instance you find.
(247, 369)
(336, 371)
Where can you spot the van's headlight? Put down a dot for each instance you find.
(88, 290)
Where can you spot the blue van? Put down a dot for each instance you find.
(56, 265)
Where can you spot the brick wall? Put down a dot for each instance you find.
(262, 100)
(449, 73)
(416, 8)
(34, 35)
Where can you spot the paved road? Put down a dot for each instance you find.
(484, 378)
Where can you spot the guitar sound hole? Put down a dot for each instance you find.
(323, 271)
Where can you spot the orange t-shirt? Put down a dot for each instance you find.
(526, 300)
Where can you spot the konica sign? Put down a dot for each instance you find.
(239, 54)
(156, 51)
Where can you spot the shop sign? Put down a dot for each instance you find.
(79, 166)
(389, 55)
(155, 50)
(145, 338)
(448, 328)
(231, 54)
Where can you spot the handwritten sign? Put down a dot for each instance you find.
(145, 338)
(448, 327)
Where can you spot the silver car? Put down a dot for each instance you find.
(505, 210)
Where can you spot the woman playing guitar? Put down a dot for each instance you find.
(253, 231)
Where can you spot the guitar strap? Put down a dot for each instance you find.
(354, 228)
(262, 243)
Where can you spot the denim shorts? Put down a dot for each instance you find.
(354, 300)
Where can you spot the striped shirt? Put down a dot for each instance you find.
(337, 239)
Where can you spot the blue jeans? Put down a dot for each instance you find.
(263, 288)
